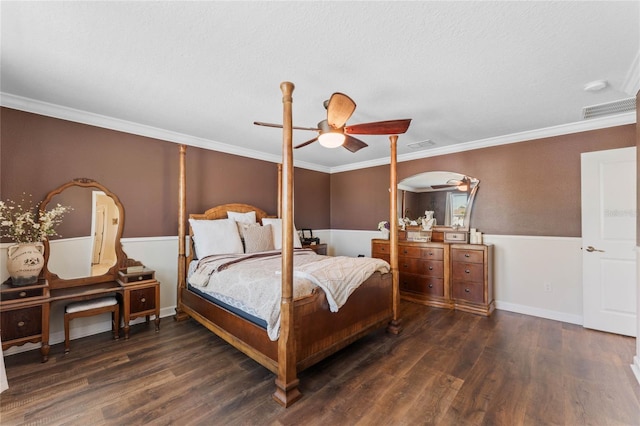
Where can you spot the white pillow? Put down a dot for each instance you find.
(257, 238)
(248, 217)
(215, 237)
(276, 229)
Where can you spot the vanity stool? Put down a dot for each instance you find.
(87, 308)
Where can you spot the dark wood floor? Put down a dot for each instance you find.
(446, 368)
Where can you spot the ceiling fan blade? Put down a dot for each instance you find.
(390, 127)
(309, 142)
(260, 123)
(279, 126)
(339, 109)
(353, 144)
(444, 186)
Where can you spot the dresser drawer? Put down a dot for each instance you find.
(143, 300)
(407, 264)
(471, 256)
(467, 290)
(19, 323)
(19, 294)
(432, 268)
(422, 285)
(433, 253)
(380, 249)
(455, 236)
(409, 251)
(468, 272)
(385, 257)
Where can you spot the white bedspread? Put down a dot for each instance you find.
(255, 280)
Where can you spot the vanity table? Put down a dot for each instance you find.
(94, 233)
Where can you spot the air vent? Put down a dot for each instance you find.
(609, 108)
(421, 144)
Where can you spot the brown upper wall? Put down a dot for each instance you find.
(526, 188)
(40, 153)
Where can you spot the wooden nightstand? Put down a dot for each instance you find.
(141, 296)
(24, 316)
(318, 248)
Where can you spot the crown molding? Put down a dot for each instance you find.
(563, 129)
(78, 116)
(84, 117)
(631, 84)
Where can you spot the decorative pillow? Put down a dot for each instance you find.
(248, 217)
(276, 230)
(258, 238)
(215, 237)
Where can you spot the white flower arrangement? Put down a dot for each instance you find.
(384, 226)
(23, 223)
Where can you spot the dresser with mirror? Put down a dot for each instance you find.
(439, 267)
(85, 262)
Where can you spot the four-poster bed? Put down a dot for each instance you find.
(308, 329)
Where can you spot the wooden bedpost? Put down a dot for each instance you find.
(287, 391)
(280, 190)
(394, 325)
(182, 218)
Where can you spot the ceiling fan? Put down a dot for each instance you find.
(333, 131)
(463, 184)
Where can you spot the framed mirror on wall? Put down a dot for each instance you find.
(88, 248)
(449, 195)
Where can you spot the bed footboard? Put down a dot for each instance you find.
(319, 332)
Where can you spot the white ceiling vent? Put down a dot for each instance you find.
(421, 144)
(609, 108)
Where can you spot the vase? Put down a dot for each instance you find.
(385, 234)
(24, 263)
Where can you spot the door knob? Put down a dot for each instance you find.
(591, 249)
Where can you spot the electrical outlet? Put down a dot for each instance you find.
(547, 288)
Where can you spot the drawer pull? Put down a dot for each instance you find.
(467, 255)
(21, 324)
(431, 268)
(430, 285)
(140, 278)
(22, 294)
(405, 251)
(466, 271)
(466, 290)
(143, 300)
(430, 253)
(405, 265)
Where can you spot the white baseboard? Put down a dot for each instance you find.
(539, 312)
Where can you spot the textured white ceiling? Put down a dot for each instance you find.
(463, 71)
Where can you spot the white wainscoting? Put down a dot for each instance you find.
(539, 276)
(525, 269)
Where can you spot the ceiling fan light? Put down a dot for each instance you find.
(331, 139)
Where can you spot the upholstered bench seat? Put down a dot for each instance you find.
(87, 308)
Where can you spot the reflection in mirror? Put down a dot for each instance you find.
(86, 242)
(87, 248)
(449, 195)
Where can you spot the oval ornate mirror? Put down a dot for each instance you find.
(88, 248)
(450, 195)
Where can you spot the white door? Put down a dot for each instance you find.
(608, 240)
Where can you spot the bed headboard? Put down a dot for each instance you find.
(220, 212)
